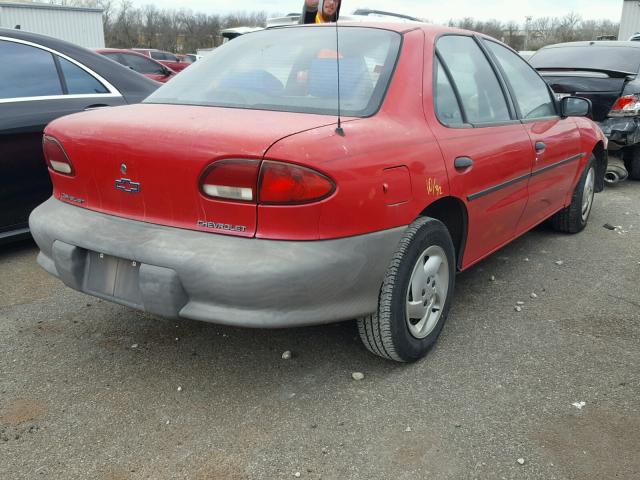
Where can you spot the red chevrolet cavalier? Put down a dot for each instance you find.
(232, 195)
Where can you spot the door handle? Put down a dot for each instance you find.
(540, 147)
(462, 163)
(94, 107)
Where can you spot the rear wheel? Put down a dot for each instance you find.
(415, 296)
(631, 157)
(574, 218)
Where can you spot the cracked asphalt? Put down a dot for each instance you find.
(92, 390)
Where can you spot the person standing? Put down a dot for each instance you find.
(329, 12)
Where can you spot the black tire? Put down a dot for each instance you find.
(571, 218)
(621, 171)
(386, 333)
(631, 157)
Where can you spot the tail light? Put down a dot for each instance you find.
(626, 106)
(231, 180)
(284, 183)
(56, 157)
(275, 183)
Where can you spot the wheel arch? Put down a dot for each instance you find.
(453, 213)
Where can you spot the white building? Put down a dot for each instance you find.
(630, 22)
(82, 26)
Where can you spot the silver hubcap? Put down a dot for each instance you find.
(427, 293)
(588, 193)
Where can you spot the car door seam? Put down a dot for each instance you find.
(557, 164)
(513, 181)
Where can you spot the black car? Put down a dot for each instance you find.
(41, 79)
(608, 74)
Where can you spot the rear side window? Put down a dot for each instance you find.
(447, 107)
(79, 81)
(481, 95)
(531, 92)
(142, 65)
(164, 56)
(27, 72)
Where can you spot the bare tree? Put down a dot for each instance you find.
(542, 31)
(567, 29)
(184, 30)
(513, 36)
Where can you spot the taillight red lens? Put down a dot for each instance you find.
(627, 106)
(234, 179)
(56, 157)
(284, 183)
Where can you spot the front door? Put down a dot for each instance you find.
(556, 141)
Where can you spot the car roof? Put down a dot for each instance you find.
(127, 51)
(374, 13)
(597, 43)
(149, 50)
(386, 24)
(119, 50)
(45, 40)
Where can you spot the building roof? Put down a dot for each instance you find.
(46, 6)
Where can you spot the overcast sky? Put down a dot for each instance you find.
(438, 11)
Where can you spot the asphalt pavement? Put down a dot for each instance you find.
(93, 390)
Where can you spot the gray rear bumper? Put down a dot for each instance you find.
(217, 278)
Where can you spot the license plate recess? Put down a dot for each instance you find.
(114, 278)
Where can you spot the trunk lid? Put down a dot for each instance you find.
(144, 161)
(602, 88)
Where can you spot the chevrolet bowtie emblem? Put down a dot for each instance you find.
(127, 185)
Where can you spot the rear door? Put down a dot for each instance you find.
(39, 87)
(487, 151)
(556, 141)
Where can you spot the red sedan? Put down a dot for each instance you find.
(168, 59)
(139, 63)
(236, 194)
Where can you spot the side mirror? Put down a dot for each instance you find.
(575, 107)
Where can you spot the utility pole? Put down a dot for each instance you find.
(526, 31)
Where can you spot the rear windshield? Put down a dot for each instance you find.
(593, 57)
(292, 70)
